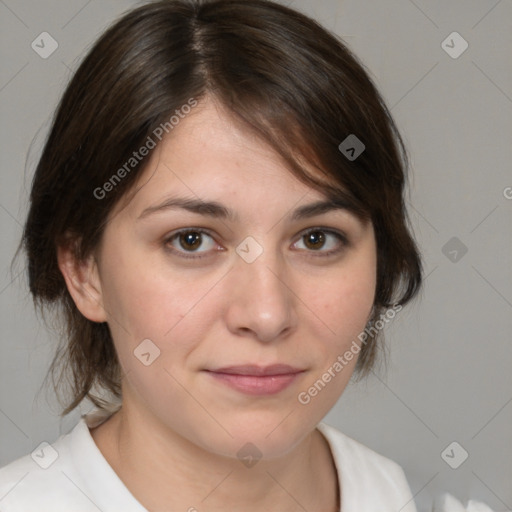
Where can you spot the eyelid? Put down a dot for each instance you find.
(190, 254)
(340, 235)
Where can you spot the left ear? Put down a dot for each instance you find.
(83, 283)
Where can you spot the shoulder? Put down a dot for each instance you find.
(45, 479)
(357, 455)
(368, 479)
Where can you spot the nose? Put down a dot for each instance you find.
(261, 302)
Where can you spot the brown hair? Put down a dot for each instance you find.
(279, 73)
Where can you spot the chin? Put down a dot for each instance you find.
(265, 433)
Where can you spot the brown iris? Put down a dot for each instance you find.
(190, 240)
(314, 240)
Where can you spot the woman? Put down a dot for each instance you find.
(218, 212)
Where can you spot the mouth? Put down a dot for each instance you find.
(257, 380)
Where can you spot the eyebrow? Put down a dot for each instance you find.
(320, 207)
(207, 208)
(217, 210)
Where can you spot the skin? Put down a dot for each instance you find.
(175, 439)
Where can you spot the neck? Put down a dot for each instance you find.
(166, 471)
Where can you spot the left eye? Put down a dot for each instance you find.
(320, 240)
(192, 241)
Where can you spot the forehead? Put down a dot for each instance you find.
(210, 156)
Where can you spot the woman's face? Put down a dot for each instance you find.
(249, 291)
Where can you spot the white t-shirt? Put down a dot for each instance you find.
(71, 475)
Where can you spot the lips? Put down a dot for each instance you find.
(256, 380)
(258, 371)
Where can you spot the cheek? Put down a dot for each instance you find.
(346, 300)
(156, 323)
(138, 295)
(145, 300)
(344, 306)
(347, 304)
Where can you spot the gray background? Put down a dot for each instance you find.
(449, 374)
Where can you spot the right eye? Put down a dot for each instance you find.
(188, 242)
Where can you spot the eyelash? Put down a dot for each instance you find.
(192, 255)
(342, 239)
